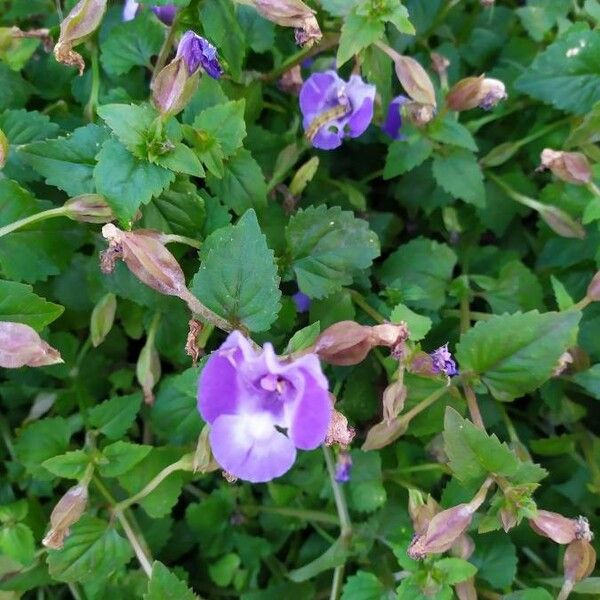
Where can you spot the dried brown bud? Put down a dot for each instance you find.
(564, 360)
(394, 397)
(419, 114)
(4, 149)
(204, 461)
(89, 208)
(102, 319)
(439, 62)
(560, 529)
(572, 167)
(421, 512)
(173, 87)
(291, 81)
(579, 560)
(20, 346)
(593, 290)
(344, 343)
(391, 335)
(292, 13)
(338, 431)
(78, 25)
(415, 80)
(508, 517)
(192, 348)
(479, 91)
(67, 512)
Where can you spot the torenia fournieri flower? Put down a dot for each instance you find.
(471, 92)
(393, 120)
(198, 52)
(442, 362)
(261, 409)
(334, 109)
(165, 13)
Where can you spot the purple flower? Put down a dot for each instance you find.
(393, 120)
(334, 109)
(130, 9)
(343, 467)
(260, 408)
(165, 13)
(198, 52)
(442, 361)
(302, 302)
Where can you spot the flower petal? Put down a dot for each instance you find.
(250, 448)
(315, 93)
(362, 97)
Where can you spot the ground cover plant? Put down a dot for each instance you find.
(299, 300)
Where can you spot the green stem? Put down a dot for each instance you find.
(583, 303)
(512, 432)
(165, 50)
(594, 189)
(169, 238)
(425, 403)
(90, 109)
(337, 583)
(41, 216)
(298, 513)
(340, 499)
(360, 301)
(85, 348)
(183, 464)
(516, 196)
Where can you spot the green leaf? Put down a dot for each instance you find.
(127, 182)
(460, 175)
(358, 32)
(514, 354)
(165, 585)
(398, 16)
(131, 123)
(566, 74)
(454, 570)
(405, 155)
(120, 457)
(530, 594)
(495, 557)
(67, 163)
(453, 133)
(225, 123)
(243, 184)
(71, 465)
(365, 489)
(588, 131)
(425, 268)
(328, 246)
(363, 586)
(93, 551)
(539, 16)
(474, 454)
(223, 570)
(115, 416)
(17, 542)
(589, 380)
(131, 44)
(303, 338)
(418, 326)
(14, 90)
(42, 440)
(19, 304)
(238, 276)
(181, 160)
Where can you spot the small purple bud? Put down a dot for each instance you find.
(393, 121)
(343, 467)
(302, 302)
(443, 362)
(198, 52)
(165, 13)
(130, 10)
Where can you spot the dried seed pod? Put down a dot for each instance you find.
(561, 530)
(415, 80)
(344, 343)
(572, 167)
(20, 346)
(67, 512)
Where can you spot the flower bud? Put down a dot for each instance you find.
(384, 433)
(203, 461)
(572, 167)
(579, 560)
(291, 81)
(4, 148)
(465, 590)
(78, 25)
(344, 343)
(421, 512)
(439, 63)
(102, 319)
(89, 208)
(292, 13)
(415, 80)
(394, 397)
(475, 91)
(173, 87)
(20, 346)
(338, 431)
(562, 223)
(560, 529)
(67, 512)
(165, 13)
(147, 369)
(391, 335)
(593, 290)
(343, 467)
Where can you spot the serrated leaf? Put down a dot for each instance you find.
(474, 454)
(67, 163)
(92, 551)
(127, 182)
(243, 184)
(567, 73)
(405, 155)
(17, 542)
(303, 338)
(19, 304)
(131, 44)
(164, 585)
(363, 586)
(328, 246)
(358, 32)
(589, 380)
(365, 488)
(181, 159)
(495, 557)
(460, 175)
(515, 354)
(71, 465)
(131, 124)
(115, 416)
(238, 276)
(451, 132)
(120, 457)
(418, 326)
(225, 122)
(454, 570)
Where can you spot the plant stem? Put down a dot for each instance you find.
(338, 581)
(585, 301)
(473, 406)
(90, 108)
(183, 464)
(165, 50)
(41, 216)
(298, 513)
(169, 238)
(360, 301)
(340, 499)
(425, 403)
